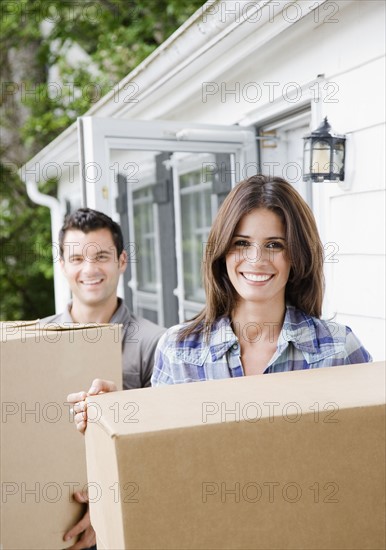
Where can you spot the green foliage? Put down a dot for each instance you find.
(26, 269)
(116, 36)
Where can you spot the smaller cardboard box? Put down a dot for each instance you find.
(282, 461)
(42, 454)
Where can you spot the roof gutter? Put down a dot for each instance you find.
(62, 294)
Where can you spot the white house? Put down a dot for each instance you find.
(229, 94)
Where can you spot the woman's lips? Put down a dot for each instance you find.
(257, 277)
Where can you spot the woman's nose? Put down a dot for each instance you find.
(256, 253)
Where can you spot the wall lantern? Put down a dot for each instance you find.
(324, 153)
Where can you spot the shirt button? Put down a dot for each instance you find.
(235, 346)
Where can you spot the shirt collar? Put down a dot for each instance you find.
(120, 316)
(299, 329)
(222, 338)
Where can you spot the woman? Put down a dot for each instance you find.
(263, 276)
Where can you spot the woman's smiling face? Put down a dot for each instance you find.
(257, 261)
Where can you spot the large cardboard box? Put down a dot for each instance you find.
(42, 454)
(281, 461)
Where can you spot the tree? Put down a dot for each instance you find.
(38, 38)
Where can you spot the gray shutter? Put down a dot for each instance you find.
(222, 180)
(122, 209)
(163, 196)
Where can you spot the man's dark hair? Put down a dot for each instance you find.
(86, 220)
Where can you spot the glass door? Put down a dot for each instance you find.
(195, 205)
(163, 182)
(134, 200)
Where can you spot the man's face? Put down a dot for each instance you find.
(91, 266)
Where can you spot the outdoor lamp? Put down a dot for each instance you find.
(324, 153)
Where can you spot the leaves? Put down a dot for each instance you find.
(59, 58)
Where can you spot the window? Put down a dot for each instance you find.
(281, 150)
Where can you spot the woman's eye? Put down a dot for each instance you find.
(275, 245)
(241, 243)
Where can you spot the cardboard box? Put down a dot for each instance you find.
(42, 454)
(281, 461)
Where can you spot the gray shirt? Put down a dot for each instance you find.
(139, 340)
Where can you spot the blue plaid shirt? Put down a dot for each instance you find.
(304, 342)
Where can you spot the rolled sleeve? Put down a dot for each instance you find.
(162, 372)
(356, 353)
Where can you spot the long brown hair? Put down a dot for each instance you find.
(305, 286)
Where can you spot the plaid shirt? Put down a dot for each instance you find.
(304, 342)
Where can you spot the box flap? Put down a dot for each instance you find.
(296, 393)
(51, 331)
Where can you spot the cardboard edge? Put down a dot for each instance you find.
(74, 326)
(17, 324)
(106, 427)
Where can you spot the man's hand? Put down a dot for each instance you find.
(83, 528)
(78, 400)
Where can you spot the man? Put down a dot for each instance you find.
(92, 258)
